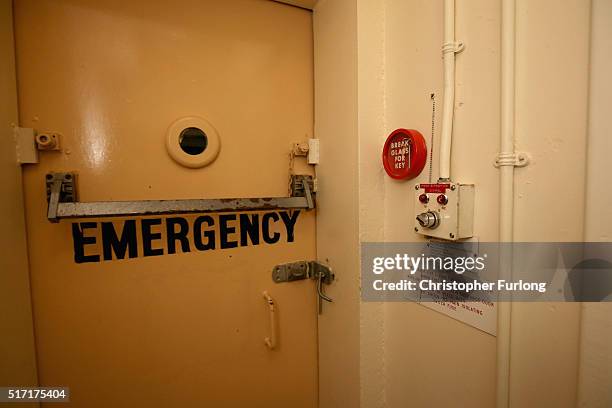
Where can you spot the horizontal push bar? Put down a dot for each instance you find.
(61, 196)
(156, 207)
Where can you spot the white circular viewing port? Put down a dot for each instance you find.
(193, 142)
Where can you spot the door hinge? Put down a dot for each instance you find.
(25, 145)
(28, 142)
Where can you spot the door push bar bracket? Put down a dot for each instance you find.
(301, 270)
(60, 189)
(63, 203)
(303, 186)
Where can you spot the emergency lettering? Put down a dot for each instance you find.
(146, 237)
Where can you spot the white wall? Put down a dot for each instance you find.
(545, 336)
(335, 31)
(551, 120)
(595, 384)
(371, 82)
(410, 355)
(431, 359)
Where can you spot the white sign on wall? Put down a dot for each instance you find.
(479, 313)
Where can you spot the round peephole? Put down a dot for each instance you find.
(193, 140)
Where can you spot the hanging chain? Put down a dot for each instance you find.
(431, 141)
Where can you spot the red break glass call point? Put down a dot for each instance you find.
(404, 154)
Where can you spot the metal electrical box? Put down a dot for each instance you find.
(444, 210)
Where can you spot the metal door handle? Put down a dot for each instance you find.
(320, 290)
(322, 296)
(271, 341)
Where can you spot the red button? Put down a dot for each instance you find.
(423, 198)
(442, 199)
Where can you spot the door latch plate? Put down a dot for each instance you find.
(300, 270)
(290, 272)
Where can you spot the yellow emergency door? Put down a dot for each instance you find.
(169, 310)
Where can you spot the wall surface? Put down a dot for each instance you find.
(17, 358)
(335, 59)
(371, 83)
(429, 359)
(551, 120)
(595, 388)
(544, 336)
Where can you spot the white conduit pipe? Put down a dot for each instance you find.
(449, 48)
(506, 209)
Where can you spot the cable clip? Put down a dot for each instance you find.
(516, 159)
(453, 47)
